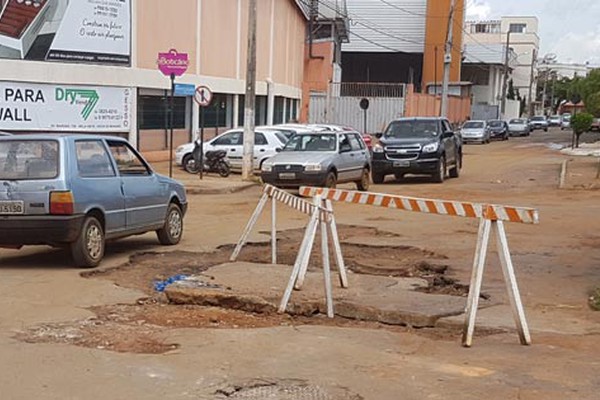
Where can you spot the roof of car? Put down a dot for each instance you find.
(419, 119)
(78, 136)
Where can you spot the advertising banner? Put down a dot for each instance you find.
(82, 31)
(64, 108)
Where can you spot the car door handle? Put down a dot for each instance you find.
(262, 150)
(232, 149)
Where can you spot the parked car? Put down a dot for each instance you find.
(595, 125)
(518, 127)
(339, 128)
(497, 129)
(267, 141)
(423, 146)
(78, 191)
(475, 131)
(554, 120)
(565, 122)
(538, 122)
(320, 159)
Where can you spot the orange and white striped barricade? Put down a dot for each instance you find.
(320, 217)
(491, 216)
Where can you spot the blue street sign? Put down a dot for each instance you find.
(184, 89)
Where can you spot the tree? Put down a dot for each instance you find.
(581, 123)
(592, 104)
(511, 91)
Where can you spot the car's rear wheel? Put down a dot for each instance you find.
(378, 178)
(440, 174)
(365, 180)
(88, 249)
(331, 180)
(455, 171)
(171, 232)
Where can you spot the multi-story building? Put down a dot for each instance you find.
(401, 41)
(521, 35)
(91, 66)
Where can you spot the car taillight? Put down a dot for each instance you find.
(61, 203)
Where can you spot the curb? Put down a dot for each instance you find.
(225, 190)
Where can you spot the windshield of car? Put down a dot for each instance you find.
(517, 121)
(538, 118)
(312, 142)
(496, 124)
(414, 128)
(473, 125)
(28, 159)
(566, 117)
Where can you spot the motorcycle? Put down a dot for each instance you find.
(214, 161)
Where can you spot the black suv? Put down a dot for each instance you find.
(418, 146)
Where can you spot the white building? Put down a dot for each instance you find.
(521, 33)
(483, 66)
(565, 70)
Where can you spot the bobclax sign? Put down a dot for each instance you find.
(64, 108)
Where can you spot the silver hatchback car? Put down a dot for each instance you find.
(320, 159)
(78, 191)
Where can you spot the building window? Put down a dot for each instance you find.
(154, 112)
(518, 28)
(485, 28)
(215, 115)
(279, 107)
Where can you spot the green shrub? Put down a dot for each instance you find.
(595, 299)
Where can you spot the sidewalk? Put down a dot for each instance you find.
(210, 184)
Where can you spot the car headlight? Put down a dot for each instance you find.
(266, 167)
(313, 167)
(378, 148)
(431, 148)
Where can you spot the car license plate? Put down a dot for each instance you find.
(401, 163)
(287, 175)
(11, 208)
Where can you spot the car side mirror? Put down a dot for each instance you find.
(448, 134)
(379, 135)
(278, 150)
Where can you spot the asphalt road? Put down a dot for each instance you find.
(556, 262)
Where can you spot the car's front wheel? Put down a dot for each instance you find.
(88, 249)
(331, 180)
(378, 178)
(365, 180)
(440, 174)
(171, 232)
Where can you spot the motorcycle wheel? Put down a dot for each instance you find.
(224, 169)
(191, 166)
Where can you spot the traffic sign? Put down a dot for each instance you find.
(185, 89)
(203, 96)
(364, 104)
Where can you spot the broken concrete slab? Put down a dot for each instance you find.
(555, 321)
(259, 288)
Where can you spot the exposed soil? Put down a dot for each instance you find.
(143, 328)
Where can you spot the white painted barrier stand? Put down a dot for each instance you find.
(492, 217)
(321, 216)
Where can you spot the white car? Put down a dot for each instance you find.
(267, 142)
(475, 131)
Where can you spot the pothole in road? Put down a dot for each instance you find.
(144, 327)
(366, 251)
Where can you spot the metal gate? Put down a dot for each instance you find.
(342, 105)
(484, 112)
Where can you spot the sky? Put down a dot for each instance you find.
(570, 29)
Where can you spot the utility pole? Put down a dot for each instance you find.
(447, 62)
(546, 76)
(531, 83)
(505, 81)
(250, 99)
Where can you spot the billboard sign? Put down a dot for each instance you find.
(64, 108)
(82, 31)
(173, 63)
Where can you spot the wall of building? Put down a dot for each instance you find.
(318, 72)
(214, 34)
(436, 29)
